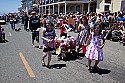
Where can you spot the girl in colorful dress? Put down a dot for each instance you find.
(48, 36)
(84, 29)
(94, 51)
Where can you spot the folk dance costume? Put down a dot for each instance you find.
(49, 48)
(94, 52)
(83, 35)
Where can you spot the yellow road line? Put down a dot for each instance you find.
(29, 70)
(10, 34)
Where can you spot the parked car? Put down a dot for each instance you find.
(2, 20)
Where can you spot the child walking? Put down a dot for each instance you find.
(83, 35)
(95, 51)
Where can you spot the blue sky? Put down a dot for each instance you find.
(9, 6)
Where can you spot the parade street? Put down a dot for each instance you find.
(21, 63)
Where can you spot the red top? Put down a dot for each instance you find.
(61, 23)
(62, 30)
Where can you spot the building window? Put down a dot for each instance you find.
(51, 1)
(72, 8)
(47, 1)
(78, 8)
(106, 8)
(97, 4)
(108, 1)
(55, 0)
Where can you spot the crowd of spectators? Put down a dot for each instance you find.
(113, 24)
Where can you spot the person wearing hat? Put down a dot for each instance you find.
(34, 24)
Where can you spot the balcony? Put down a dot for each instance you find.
(70, 0)
(44, 2)
(23, 1)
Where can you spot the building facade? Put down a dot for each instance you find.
(30, 5)
(66, 6)
(112, 5)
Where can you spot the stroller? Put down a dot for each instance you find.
(66, 47)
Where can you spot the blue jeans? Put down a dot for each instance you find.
(13, 25)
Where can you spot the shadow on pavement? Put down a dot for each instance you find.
(5, 41)
(100, 71)
(38, 47)
(73, 57)
(70, 58)
(58, 66)
(81, 55)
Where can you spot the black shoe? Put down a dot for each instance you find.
(43, 64)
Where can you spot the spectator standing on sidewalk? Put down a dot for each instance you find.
(34, 24)
(26, 19)
(13, 22)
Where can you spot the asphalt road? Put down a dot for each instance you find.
(20, 63)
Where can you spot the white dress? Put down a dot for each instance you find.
(94, 52)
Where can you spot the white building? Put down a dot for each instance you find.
(64, 6)
(112, 5)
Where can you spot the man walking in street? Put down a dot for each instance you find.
(34, 24)
(26, 19)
